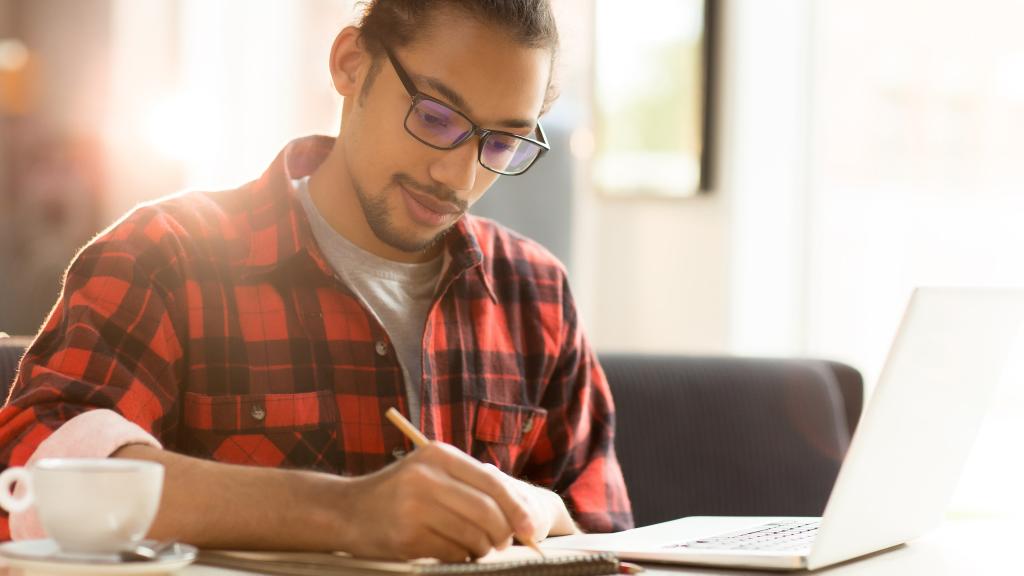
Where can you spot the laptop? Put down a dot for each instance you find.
(903, 462)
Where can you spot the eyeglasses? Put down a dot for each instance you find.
(437, 125)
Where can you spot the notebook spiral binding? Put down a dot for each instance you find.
(314, 564)
(588, 565)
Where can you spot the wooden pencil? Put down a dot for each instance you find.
(417, 438)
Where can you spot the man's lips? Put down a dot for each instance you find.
(428, 211)
(433, 204)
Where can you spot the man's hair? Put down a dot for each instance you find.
(394, 23)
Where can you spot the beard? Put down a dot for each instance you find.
(378, 215)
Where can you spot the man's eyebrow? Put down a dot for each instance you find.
(463, 106)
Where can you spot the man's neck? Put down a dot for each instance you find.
(330, 187)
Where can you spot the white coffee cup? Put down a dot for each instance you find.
(88, 505)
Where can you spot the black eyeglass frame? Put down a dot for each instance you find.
(476, 130)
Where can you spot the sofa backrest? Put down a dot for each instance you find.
(730, 436)
(12, 348)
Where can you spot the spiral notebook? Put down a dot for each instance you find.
(513, 561)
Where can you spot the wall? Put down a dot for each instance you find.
(208, 93)
(7, 21)
(53, 180)
(720, 273)
(651, 274)
(916, 180)
(7, 16)
(660, 272)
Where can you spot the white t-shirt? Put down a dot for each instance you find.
(397, 293)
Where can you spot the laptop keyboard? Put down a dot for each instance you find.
(782, 536)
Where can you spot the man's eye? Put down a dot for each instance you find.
(499, 146)
(433, 119)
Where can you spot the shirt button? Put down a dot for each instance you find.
(381, 347)
(528, 425)
(257, 412)
(398, 453)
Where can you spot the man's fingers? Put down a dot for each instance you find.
(486, 479)
(430, 544)
(476, 508)
(472, 539)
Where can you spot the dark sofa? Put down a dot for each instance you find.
(722, 436)
(712, 435)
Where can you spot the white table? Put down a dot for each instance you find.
(964, 546)
(980, 546)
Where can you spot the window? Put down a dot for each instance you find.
(651, 93)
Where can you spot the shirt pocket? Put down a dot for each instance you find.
(280, 430)
(504, 434)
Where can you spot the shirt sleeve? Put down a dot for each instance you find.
(92, 434)
(110, 343)
(576, 454)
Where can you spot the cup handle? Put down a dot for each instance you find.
(8, 478)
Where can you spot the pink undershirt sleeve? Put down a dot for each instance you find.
(92, 434)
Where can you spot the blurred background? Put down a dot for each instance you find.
(839, 154)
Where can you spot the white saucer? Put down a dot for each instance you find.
(43, 556)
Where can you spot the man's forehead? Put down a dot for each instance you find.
(480, 69)
(436, 86)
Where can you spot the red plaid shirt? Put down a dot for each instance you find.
(213, 321)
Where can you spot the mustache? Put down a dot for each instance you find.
(441, 193)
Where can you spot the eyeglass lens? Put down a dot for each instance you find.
(440, 126)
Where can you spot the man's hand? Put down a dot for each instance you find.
(440, 502)
(547, 509)
(437, 502)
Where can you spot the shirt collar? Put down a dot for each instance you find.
(278, 230)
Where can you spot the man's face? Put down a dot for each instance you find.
(412, 194)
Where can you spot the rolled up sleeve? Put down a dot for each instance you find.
(105, 368)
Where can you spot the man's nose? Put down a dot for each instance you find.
(456, 169)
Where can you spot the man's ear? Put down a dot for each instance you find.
(349, 61)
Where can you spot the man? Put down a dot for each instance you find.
(251, 340)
